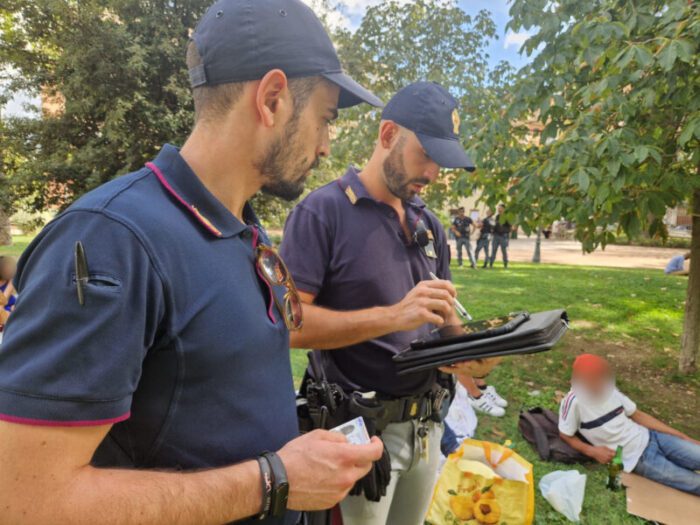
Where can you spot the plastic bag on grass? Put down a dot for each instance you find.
(564, 490)
(483, 483)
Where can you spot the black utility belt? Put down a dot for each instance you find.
(429, 406)
(322, 404)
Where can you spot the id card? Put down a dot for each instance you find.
(354, 430)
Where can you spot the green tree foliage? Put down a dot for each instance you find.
(615, 87)
(119, 66)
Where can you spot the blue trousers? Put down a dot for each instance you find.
(464, 241)
(671, 461)
(482, 243)
(502, 242)
(449, 443)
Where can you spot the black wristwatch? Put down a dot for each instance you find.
(280, 485)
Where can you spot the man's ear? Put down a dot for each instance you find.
(388, 133)
(272, 97)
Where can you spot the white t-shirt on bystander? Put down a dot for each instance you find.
(605, 423)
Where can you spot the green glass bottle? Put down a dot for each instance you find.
(615, 470)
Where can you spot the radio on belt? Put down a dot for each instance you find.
(354, 430)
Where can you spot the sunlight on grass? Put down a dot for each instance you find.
(19, 244)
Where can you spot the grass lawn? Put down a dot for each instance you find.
(633, 317)
(19, 243)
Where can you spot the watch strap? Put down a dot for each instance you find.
(280, 491)
(267, 487)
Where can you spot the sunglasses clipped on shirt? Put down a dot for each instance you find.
(272, 269)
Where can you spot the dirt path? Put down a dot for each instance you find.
(569, 252)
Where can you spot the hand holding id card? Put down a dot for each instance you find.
(354, 430)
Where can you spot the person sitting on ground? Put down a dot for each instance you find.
(8, 298)
(678, 265)
(607, 418)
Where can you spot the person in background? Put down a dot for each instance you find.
(485, 231)
(8, 298)
(450, 233)
(678, 265)
(483, 397)
(471, 395)
(460, 423)
(501, 233)
(462, 229)
(607, 418)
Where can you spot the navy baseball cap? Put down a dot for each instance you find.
(241, 40)
(428, 109)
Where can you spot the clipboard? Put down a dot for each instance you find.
(538, 333)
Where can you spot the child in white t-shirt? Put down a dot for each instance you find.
(607, 418)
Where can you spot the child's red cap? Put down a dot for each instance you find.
(590, 364)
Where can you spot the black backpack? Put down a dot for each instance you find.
(540, 428)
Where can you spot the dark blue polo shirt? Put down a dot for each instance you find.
(177, 344)
(351, 252)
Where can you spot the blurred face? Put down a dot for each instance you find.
(593, 386)
(460, 213)
(501, 209)
(408, 168)
(8, 269)
(290, 158)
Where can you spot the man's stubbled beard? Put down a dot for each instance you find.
(284, 167)
(395, 176)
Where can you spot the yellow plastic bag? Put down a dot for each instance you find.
(483, 484)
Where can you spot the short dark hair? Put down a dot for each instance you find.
(212, 102)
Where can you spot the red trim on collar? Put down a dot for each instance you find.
(193, 210)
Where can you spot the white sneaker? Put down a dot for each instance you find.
(485, 405)
(497, 400)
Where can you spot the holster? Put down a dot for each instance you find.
(325, 405)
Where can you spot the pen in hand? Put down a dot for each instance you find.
(458, 306)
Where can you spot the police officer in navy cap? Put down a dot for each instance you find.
(362, 250)
(145, 373)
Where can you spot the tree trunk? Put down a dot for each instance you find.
(538, 245)
(690, 342)
(5, 236)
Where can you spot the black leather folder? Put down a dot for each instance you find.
(539, 332)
